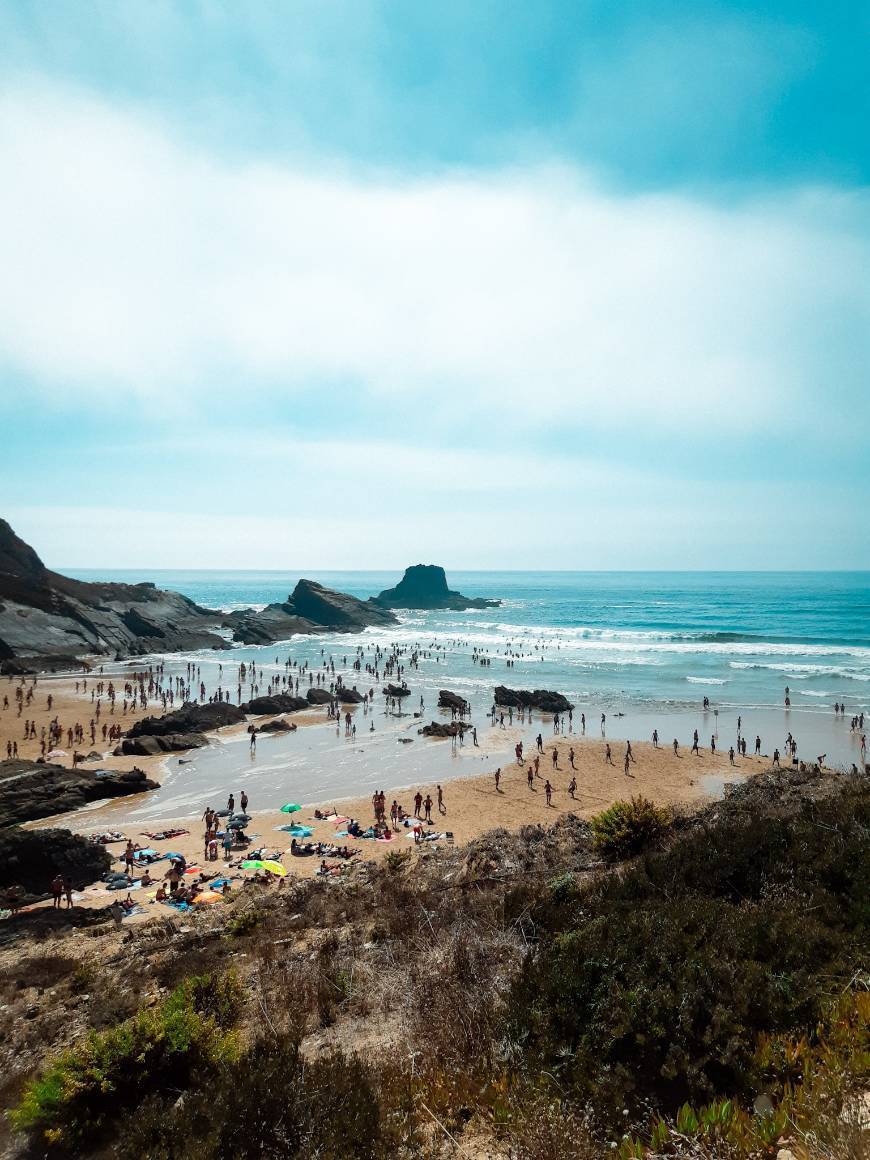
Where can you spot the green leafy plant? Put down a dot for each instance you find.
(628, 828)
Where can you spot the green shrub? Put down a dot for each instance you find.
(627, 828)
(110, 1072)
(270, 1104)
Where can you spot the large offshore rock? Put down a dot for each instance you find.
(32, 789)
(310, 608)
(448, 700)
(349, 696)
(543, 699)
(425, 586)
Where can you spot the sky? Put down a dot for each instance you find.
(579, 285)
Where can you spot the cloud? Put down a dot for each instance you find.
(139, 270)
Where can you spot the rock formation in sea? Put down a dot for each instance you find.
(48, 620)
(309, 608)
(425, 586)
(542, 699)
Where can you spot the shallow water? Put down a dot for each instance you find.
(643, 648)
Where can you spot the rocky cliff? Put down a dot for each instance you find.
(32, 789)
(44, 614)
(425, 586)
(46, 617)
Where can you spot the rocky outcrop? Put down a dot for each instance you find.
(444, 729)
(31, 858)
(153, 746)
(349, 696)
(542, 699)
(190, 718)
(451, 701)
(273, 704)
(31, 789)
(44, 614)
(310, 608)
(277, 726)
(397, 691)
(317, 696)
(425, 586)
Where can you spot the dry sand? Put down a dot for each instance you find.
(472, 805)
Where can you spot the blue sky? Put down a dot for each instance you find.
(566, 285)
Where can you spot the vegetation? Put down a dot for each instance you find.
(627, 828)
(705, 996)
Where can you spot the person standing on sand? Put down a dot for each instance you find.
(655, 739)
(243, 802)
(627, 763)
(497, 779)
(572, 788)
(608, 756)
(731, 754)
(713, 745)
(571, 758)
(629, 755)
(56, 891)
(231, 804)
(427, 806)
(530, 778)
(555, 758)
(418, 801)
(676, 748)
(67, 889)
(442, 809)
(695, 749)
(548, 793)
(757, 745)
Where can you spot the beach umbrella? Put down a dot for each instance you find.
(252, 864)
(275, 868)
(290, 808)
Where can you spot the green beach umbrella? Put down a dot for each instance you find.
(290, 808)
(252, 864)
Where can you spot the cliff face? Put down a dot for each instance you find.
(425, 586)
(44, 615)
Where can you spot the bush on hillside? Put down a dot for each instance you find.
(627, 828)
(110, 1072)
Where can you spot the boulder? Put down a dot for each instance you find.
(278, 726)
(397, 691)
(153, 746)
(190, 718)
(444, 729)
(317, 696)
(425, 586)
(542, 699)
(448, 700)
(31, 858)
(276, 703)
(31, 789)
(348, 696)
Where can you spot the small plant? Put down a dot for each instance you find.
(628, 828)
(110, 1072)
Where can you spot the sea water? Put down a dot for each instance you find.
(643, 649)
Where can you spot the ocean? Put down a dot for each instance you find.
(643, 648)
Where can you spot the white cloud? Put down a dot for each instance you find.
(136, 267)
